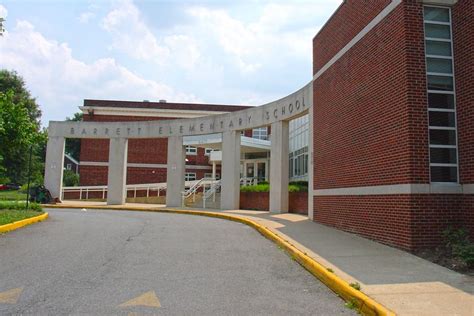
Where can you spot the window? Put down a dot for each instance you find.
(209, 175)
(190, 150)
(208, 151)
(299, 163)
(189, 176)
(69, 166)
(441, 95)
(260, 133)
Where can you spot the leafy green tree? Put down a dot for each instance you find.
(19, 132)
(73, 145)
(10, 80)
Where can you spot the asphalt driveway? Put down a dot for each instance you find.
(135, 263)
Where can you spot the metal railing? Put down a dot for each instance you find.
(194, 189)
(212, 191)
(102, 189)
(249, 181)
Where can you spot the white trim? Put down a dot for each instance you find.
(386, 11)
(445, 188)
(147, 112)
(468, 188)
(71, 158)
(440, 3)
(141, 165)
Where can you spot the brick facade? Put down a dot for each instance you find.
(371, 124)
(298, 201)
(463, 42)
(142, 151)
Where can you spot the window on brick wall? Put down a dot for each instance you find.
(190, 150)
(441, 95)
(189, 176)
(260, 133)
(208, 151)
(209, 175)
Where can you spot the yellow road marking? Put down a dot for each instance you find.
(10, 296)
(148, 299)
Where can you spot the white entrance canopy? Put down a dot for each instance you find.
(276, 114)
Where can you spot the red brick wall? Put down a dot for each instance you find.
(139, 150)
(371, 127)
(364, 131)
(463, 41)
(93, 175)
(254, 201)
(346, 23)
(147, 151)
(407, 221)
(298, 201)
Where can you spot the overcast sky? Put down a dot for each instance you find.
(228, 52)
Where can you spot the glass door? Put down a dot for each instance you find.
(261, 171)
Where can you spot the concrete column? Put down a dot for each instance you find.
(53, 171)
(175, 171)
(214, 170)
(310, 166)
(117, 178)
(279, 165)
(230, 179)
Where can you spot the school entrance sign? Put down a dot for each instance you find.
(276, 114)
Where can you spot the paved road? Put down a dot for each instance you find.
(95, 262)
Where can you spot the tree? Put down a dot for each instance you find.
(73, 145)
(20, 121)
(10, 80)
(19, 132)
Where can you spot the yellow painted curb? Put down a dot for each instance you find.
(365, 304)
(27, 221)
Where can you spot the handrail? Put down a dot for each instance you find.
(211, 192)
(194, 188)
(103, 188)
(245, 181)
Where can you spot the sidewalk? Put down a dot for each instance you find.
(396, 279)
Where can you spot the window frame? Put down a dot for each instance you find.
(442, 92)
(187, 174)
(260, 133)
(191, 150)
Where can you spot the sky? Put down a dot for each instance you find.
(247, 52)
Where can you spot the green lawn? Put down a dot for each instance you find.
(12, 196)
(12, 211)
(10, 216)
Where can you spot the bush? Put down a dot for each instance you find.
(255, 188)
(70, 178)
(19, 205)
(457, 241)
(300, 186)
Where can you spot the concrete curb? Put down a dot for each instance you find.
(28, 221)
(364, 304)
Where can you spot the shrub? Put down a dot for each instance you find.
(457, 241)
(255, 188)
(299, 186)
(70, 178)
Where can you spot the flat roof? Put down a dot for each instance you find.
(165, 105)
